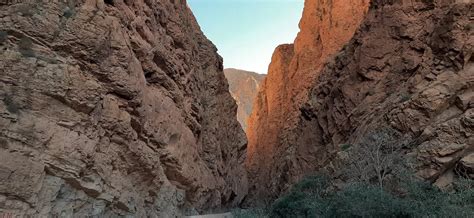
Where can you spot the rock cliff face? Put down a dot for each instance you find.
(243, 86)
(409, 67)
(114, 107)
(325, 27)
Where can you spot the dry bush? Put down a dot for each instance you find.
(377, 157)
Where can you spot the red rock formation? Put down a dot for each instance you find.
(326, 26)
(111, 108)
(409, 67)
(243, 86)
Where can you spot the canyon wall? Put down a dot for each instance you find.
(326, 25)
(409, 68)
(243, 86)
(114, 107)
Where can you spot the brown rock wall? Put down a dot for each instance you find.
(114, 108)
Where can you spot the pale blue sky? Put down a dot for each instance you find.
(246, 32)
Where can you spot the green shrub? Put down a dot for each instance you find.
(354, 201)
(296, 204)
(304, 200)
(359, 200)
(366, 200)
(424, 199)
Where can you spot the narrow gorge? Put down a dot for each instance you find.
(122, 108)
(325, 27)
(357, 68)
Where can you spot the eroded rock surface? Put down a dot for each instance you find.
(410, 68)
(114, 108)
(325, 27)
(243, 86)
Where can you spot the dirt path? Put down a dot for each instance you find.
(221, 215)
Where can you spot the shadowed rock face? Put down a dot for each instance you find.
(325, 27)
(243, 86)
(114, 108)
(409, 67)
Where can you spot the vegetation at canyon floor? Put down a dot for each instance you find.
(377, 182)
(314, 197)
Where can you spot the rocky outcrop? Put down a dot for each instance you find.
(243, 86)
(112, 108)
(409, 68)
(325, 27)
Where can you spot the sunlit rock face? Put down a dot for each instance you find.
(112, 108)
(325, 27)
(409, 67)
(243, 86)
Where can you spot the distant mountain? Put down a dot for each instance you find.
(243, 86)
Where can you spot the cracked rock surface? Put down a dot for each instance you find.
(113, 108)
(409, 67)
